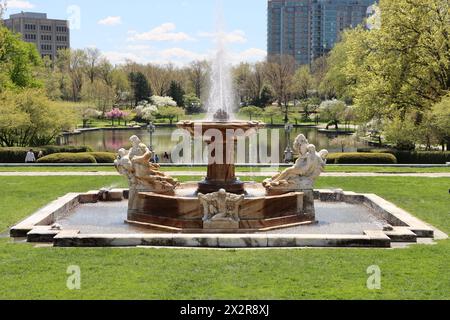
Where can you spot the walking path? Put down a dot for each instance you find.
(240, 174)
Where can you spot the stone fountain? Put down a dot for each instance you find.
(221, 203)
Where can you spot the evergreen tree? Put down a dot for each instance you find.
(177, 93)
(140, 87)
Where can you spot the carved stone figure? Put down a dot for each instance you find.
(302, 176)
(221, 207)
(142, 175)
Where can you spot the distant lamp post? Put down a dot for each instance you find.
(288, 153)
(151, 129)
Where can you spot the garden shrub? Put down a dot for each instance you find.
(362, 158)
(103, 157)
(17, 154)
(68, 158)
(414, 157)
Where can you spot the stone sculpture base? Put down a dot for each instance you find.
(184, 214)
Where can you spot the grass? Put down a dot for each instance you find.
(239, 169)
(419, 272)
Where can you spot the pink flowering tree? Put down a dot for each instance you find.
(116, 114)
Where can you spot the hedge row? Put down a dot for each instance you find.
(17, 155)
(84, 157)
(415, 157)
(361, 158)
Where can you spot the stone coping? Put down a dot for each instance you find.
(401, 227)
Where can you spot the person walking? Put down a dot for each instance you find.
(166, 157)
(30, 158)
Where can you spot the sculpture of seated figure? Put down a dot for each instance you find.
(303, 174)
(142, 175)
(221, 206)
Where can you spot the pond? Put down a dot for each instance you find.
(112, 140)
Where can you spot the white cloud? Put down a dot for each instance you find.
(253, 54)
(164, 32)
(111, 21)
(236, 36)
(18, 4)
(181, 53)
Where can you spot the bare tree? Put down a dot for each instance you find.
(197, 75)
(93, 57)
(3, 7)
(280, 70)
(71, 62)
(256, 80)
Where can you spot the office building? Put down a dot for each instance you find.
(309, 29)
(49, 35)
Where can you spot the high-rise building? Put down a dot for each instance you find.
(308, 29)
(49, 35)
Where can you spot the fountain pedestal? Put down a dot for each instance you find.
(221, 136)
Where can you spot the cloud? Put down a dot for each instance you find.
(236, 36)
(164, 32)
(253, 54)
(18, 4)
(181, 53)
(111, 21)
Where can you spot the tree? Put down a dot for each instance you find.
(177, 93)
(140, 87)
(19, 61)
(170, 113)
(251, 111)
(30, 119)
(332, 110)
(197, 72)
(279, 72)
(3, 5)
(192, 103)
(302, 83)
(241, 75)
(92, 63)
(71, 63)
(272, 112)
(343, 142)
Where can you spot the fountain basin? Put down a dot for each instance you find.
(344, 219)
(183, 212)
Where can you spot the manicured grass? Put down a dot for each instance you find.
(239, 169)
(419, 272)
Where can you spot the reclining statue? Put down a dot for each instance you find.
(303, 174)
(142, 175)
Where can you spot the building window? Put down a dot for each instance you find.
(61, 38)
(46, 47)
(30, 36)
(46, 28)
(61, 29)
(46, 37)
(30, 26)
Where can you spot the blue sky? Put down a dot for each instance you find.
(159, 31)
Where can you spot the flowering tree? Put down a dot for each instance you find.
(146, 111)
(116, 113)
(163, 101)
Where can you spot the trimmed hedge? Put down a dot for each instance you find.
(83, 157)
(103, 157)
(17, 155)
(414, 157)
(361, 158)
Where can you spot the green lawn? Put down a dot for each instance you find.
(419, 272)
(239, 169)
